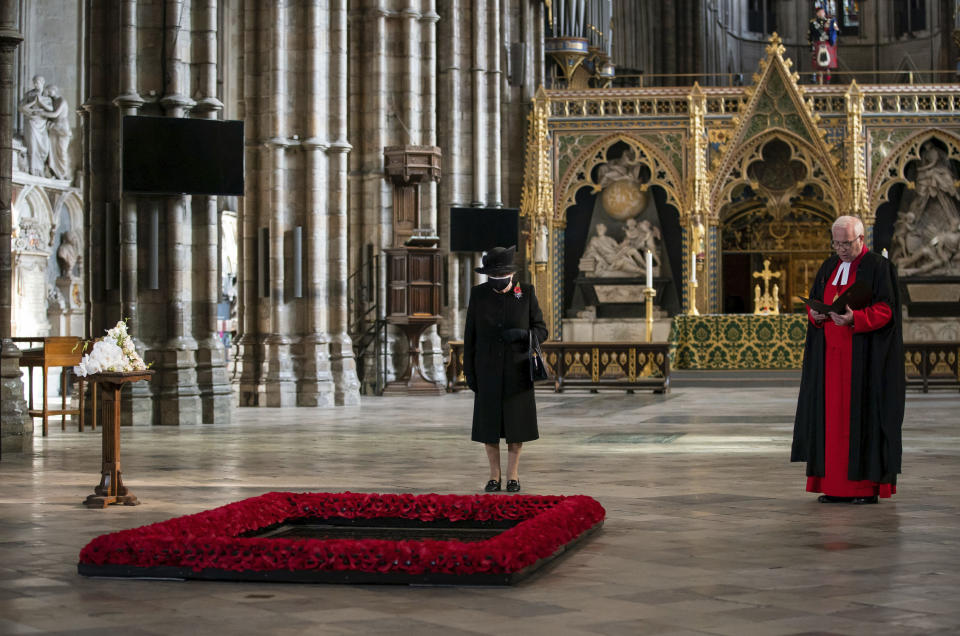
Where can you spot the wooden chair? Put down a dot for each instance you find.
(54, 351)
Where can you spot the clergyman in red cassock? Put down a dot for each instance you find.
(852, 388)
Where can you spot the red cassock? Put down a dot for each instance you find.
(838, 359)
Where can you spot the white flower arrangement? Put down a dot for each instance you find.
(114, 352)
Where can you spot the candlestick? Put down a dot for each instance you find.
(692, 298)
(649, 269)
(649, 293)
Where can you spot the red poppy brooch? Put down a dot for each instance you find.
(517, 291)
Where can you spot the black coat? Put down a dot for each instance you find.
(496, 369)
(877, 385)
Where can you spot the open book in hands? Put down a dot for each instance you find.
(857, 296)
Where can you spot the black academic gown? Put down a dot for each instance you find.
(877, 385)
(498, 371)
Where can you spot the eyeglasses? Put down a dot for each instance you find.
(844, 244)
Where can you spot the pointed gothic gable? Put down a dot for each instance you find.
(775, 102)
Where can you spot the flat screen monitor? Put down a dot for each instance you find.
(172, 155)
(482, 229)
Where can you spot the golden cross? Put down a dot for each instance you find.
(767, 303)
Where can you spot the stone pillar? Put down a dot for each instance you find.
(431, 347)
(16, 429)
(316, 386)
(99, 132)
(480, 102)
(451, 143)
(343, 364)
(216, 396)
(248, 301)
(494, 193)
(179, 395)
(136, 405)
(280, 385)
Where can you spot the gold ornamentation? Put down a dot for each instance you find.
(776, 108)
(768, 302)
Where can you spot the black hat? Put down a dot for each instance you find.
(498, 262)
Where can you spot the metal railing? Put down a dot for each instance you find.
(367, 326)
(807, 76)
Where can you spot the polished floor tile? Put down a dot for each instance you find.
(708, 531)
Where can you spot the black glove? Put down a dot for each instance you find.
(514, 335)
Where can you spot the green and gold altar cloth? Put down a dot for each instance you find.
(738, 341)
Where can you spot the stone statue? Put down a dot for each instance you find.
(59, 131)
(69, 252)
(541, 246)
(643, 236)
(935, 180)
(940, 256)
(925, 235)
(601, 248)
(35, 106)
(605, 257)
(623, 167)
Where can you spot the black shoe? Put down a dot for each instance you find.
(493, 486)
(513, 485)
(832, 499)
(856, 500)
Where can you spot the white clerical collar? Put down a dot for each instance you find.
(842, 273)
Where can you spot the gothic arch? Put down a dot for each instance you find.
(70, 201)
(892, 169)
(776, 108)
(579, 174)
(33, 203)
(800, 151)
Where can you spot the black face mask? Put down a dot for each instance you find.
(501, 284)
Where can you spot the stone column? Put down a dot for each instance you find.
(494, 193)
(136, 405)
(280, 384)
(372, 221)
(248, 300)
(479, 101)
(179, 396)
(216, 396)
(16, 429)
(316, 386)
(343, 364)
(410, 81)
(451, 192)
(431, 348)
(99, 130)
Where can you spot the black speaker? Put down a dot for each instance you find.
(482, 229)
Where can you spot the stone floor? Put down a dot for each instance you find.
(708, 528)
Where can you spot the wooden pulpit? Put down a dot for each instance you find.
(414, 277)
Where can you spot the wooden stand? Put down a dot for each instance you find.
(413, 379)
(111, 489)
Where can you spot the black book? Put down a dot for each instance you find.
(857, 296)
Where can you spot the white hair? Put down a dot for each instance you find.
(844, 221)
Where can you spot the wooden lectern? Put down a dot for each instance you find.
(111, 489)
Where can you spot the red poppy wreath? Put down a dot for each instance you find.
(353, 538)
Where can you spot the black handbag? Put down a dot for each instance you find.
(538, 370)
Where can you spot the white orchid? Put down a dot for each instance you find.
(113, 353)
